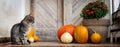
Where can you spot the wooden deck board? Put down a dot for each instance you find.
(58, 44)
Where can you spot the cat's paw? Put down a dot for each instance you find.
(27, 43)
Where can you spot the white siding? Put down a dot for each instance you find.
(11, 12)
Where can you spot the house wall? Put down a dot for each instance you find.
(11, 12)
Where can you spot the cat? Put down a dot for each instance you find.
(116, 16)
(19, 31)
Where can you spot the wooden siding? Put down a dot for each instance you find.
(51, 14)
(47, 18)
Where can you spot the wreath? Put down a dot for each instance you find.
(93, 10)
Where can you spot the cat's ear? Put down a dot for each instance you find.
(29, 15)
(25, 18)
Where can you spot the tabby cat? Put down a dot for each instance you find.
(19, 31)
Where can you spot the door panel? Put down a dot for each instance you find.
(47, 19)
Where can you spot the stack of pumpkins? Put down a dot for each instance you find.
(69, 33)
(31, 35)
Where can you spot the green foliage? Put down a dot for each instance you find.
(94, 10)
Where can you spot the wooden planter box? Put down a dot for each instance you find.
(101, 26)
(96, 22)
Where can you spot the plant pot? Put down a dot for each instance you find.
(100, 26)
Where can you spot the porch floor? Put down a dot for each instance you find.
(58, 44)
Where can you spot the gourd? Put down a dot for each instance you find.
(31, 36)
(30, 33)
(95, 37)
(36, 38)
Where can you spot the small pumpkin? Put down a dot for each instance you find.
(66, 38)
(95, 37)
(69, 28)
(35, 38)
(31, 39)
(31, 36)
(30, 32)
(81, 34)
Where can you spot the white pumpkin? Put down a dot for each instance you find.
(66, 37)
(31, 39)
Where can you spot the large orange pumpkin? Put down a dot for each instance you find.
(66, 28)
(81, 34)
(30, 33)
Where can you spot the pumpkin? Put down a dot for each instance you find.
(66, 28)
(35, 38)
(66, 38)
(30, 32)
(31, 36)
(95, 37)
(31, 39)
(81, 34)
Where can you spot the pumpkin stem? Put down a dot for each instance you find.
(81, 23)
(93, 30)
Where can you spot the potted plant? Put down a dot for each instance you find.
(93, 12)
(92, 15)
